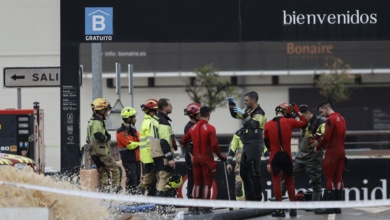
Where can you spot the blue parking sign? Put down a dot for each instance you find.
(98, 21)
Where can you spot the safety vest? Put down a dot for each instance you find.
(144, 142)
(99, 148)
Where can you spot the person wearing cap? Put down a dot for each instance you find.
(254, 119)
(307, 160)
(148, 180)
(99, 138)
(127, 137)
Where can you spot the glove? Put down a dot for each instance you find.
(238, 110)
(132, 145)
(229, 168)
(101, 137)
(230, 99)
(295, 108)
(108, 135)
(222, 158)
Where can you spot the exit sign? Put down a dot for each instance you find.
(33, 76)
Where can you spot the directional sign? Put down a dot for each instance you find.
(33, 76)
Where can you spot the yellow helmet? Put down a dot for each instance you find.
(174, 181)
(128, 112)
(99, 104)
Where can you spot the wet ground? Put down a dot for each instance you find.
(380, 213)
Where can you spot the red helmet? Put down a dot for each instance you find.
(150, 104)
(285, 109)
(192, 109)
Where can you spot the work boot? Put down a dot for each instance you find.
(329, 195)
(160, 193)
(340, 196)
(293, 212)
(192, 211)
(315, 196)
(206, 210)
(116, 189)
(278, 213)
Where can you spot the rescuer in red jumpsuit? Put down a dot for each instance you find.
(277, 139)
(334, 160)
(205, 142)
(192, 110)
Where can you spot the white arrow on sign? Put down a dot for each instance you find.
(33, 76)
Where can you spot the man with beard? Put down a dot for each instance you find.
(254, 119)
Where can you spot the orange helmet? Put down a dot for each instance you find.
(285, 109)
(149, 104)
(192, 109)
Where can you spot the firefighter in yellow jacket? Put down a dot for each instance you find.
(235, 151)
(162, 150)
(99, 138)
(148, 180)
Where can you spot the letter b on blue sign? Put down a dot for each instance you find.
(98, 21)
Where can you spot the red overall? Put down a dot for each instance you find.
(205, 142)
(281, 164)
(334, 160)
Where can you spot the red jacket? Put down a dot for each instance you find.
(204, 138)
(335, 129)
(271, 134)
(124, 137)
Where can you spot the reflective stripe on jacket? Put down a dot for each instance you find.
(144, 142)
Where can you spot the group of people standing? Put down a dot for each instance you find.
(327, 129)
(151, 149)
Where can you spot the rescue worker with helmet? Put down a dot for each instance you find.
(307, 160)
(253, 117)
(99, 138)
(148, 180)
(163, 145)
(277, 138)
(192, 110)
(127, 137)
(204, 138)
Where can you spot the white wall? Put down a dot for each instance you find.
(30, 36)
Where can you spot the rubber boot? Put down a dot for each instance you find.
(329, 195)
(278, 213)
(315, 196)
(293, 212)
(116, 189)
(340, 196)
